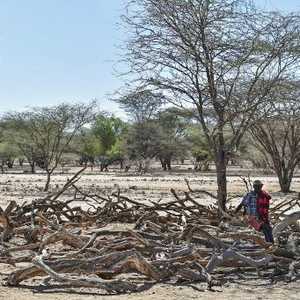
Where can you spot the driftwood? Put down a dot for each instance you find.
(183, 239)
(108, 285)
(288, 220)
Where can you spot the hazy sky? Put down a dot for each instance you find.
(64, 50)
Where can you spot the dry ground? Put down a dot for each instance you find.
(22, 187)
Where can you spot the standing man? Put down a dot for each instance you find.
(257, 203)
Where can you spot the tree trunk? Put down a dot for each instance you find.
(21, 162)
(285, 186)
(163, 164)
(285, 179)
(221, 168)
(47, 182)
(32, 166)
(10, 163)
(205, 166)
(168, 163)
(140, 167)
(104, 167)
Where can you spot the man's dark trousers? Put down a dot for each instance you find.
(267, 230)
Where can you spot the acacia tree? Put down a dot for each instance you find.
(141, 104)
(28, 150)
(109, 130)
(8, 155)
(222, 56)
(172, 138)
(49, 131)
(142, 143)
(87, 146)
(277, 137)
(19, 140)
(199, 148)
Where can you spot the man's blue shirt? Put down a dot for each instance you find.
(249, 201)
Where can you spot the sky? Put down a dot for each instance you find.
(54, 51)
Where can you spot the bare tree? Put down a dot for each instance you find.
(223, 57)
(47, 132)
(278, 137)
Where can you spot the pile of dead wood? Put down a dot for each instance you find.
(75, 243)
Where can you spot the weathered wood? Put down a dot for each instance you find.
(292, 218)
(167, 239)
(119, 286)
(217, 260)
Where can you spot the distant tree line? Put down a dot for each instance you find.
(49, 137)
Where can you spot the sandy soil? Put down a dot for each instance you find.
(25, 187)
(233, 291)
